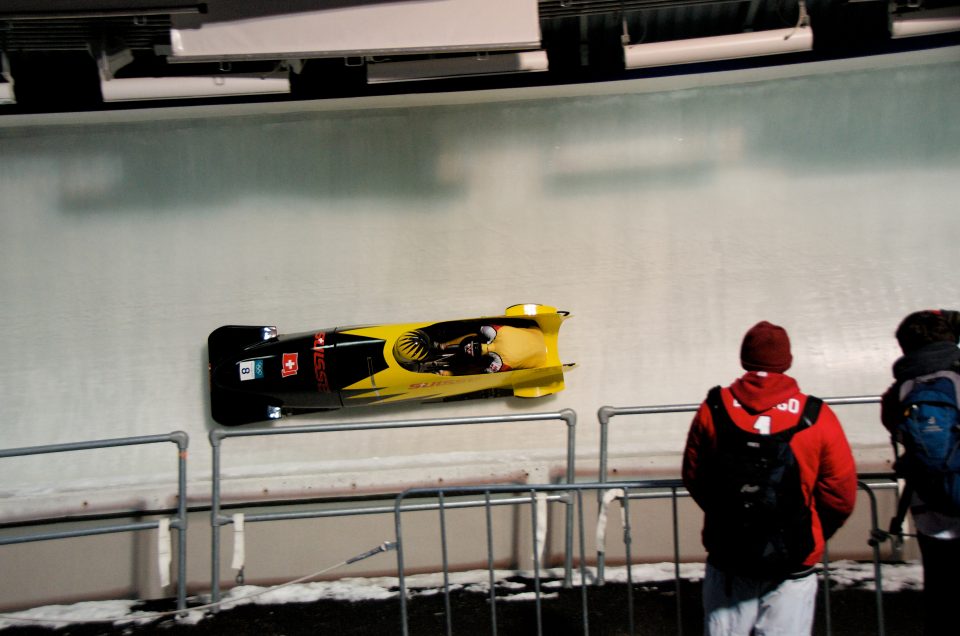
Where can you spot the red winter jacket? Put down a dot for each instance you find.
(827, 471)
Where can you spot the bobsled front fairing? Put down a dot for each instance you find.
(256, 374)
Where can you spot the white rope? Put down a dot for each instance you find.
(541, 542)
(803, 20)
(608, 497)
(150, 616)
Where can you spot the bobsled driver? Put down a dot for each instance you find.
(499, 348)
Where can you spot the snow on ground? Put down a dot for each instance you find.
(843, 575)
(894, 578)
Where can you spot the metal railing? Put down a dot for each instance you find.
(569, 494)
(179, 522)
(607, 413)
(563, 493)
(218, 435)
(874, 542)
(572, 495)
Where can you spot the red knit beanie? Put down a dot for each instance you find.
(766, 347)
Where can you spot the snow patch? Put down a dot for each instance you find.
(894, 577)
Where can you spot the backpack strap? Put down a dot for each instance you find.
(714, 401)
(811, 411)
(896, 523)
(952, 376)
(717, 410)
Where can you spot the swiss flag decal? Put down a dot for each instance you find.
(290, 365)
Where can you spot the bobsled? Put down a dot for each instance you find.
(257, 374)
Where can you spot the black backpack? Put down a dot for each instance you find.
(758, 523)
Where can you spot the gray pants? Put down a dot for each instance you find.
(740, 606)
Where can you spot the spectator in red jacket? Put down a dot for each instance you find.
(773, 472)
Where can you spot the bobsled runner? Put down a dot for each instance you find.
(257, 374)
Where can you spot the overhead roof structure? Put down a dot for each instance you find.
(96, 54)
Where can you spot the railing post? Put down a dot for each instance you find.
(182, 440)
(536, 561)
(490, 564)
(676, 559)
(628, 546)
(877, 573)
(570, 417)
(401, 577)
(215, 438)
(584, 608)
(827, 612)
(445, 563)
(603, 415)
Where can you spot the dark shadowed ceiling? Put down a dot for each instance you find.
(61, 55)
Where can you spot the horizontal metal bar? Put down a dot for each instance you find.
(662, 494)
(177, 437)
(346, 512)
(526, 488)
(574, 8)
(855, 399)
(101, 13)
(218, 434)
(887, 475)
(606, 412)
(87, 532)
(644, 484)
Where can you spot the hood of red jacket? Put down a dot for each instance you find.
(758, 391)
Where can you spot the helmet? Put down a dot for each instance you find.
(472, 347)
(412, 346)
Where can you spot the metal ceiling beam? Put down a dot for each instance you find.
(573, 8)
(18, 16)
(60, 35)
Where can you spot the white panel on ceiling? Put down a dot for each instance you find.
(720, 47)
(141, 88)
(438, 68)
(390, 27)
(943, 20)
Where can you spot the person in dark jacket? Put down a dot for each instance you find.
(775, 595)
(928, 340)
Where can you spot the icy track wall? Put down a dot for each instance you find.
(668, 216)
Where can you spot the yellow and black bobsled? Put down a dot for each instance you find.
(256, 374)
